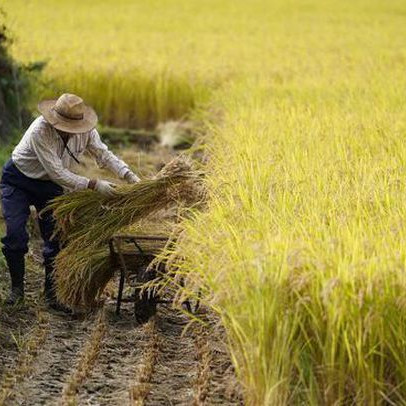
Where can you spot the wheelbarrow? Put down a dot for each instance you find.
(132, 255)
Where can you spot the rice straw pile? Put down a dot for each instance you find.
(87, 220)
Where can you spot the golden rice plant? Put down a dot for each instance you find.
(304, 244)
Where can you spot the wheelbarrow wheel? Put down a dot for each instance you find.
(191, 306)
(144, 307)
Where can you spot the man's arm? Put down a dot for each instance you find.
(106, 159)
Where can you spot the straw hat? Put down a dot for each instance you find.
(69, 113)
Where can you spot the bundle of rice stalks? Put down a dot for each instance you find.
(86, 221)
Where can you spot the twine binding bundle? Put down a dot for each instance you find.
(86, 221)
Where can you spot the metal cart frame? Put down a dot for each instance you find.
(143, 257)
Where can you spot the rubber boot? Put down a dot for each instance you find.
(16, 267)
(49, 292)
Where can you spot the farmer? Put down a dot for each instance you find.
(39, 170)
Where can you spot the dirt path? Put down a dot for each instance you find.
(105, 360)
(102, 359)
(176, 367)
(185, 371)
(53, 362)
(112, 376)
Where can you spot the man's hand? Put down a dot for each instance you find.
(131, 177)
(103, 187)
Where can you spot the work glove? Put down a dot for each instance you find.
(105, 188)
(131, 177)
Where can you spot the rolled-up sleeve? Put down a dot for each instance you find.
(43, 143)
(104, 157)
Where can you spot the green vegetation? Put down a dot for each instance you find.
(302, 248)
(16, 83)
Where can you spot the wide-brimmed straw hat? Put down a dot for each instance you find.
(69, 113)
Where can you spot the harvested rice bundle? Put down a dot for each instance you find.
(86, 221)
(80, 279)
(78, 213)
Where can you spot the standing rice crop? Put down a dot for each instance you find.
(304, 249)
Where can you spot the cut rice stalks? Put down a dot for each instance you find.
(87, 220)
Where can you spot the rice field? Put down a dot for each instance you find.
(301, 250)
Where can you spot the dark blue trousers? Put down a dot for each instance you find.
(19, 192)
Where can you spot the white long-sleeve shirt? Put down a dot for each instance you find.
(41, 154)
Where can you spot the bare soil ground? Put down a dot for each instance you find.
(104, 359)
(49, 359)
